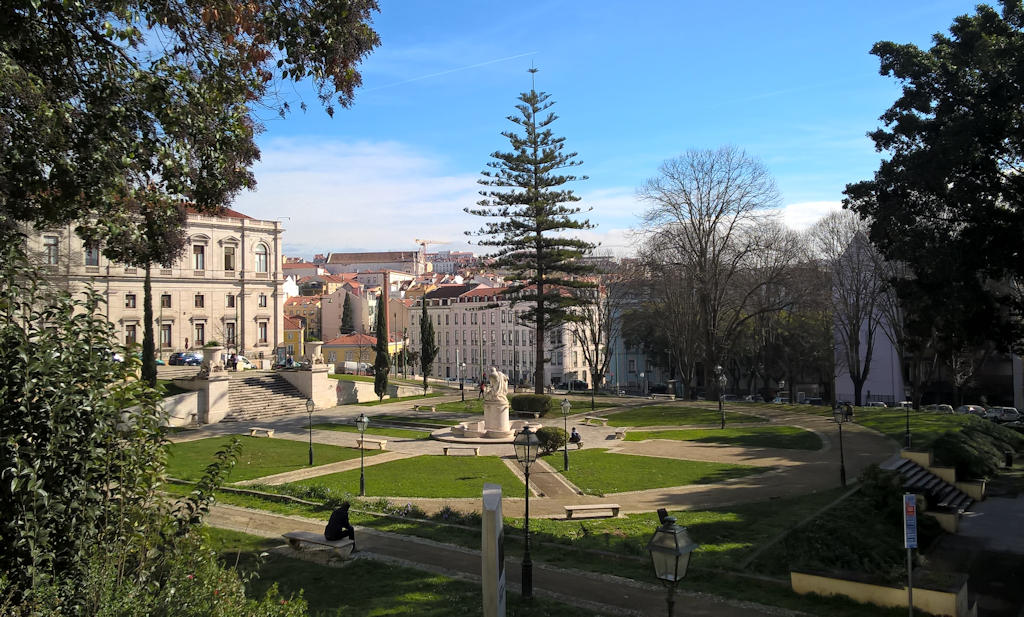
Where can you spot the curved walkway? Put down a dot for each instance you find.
(787, 472)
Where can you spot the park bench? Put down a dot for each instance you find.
(528, 414)
(667, 397)
(620, 433)
(423, 408)
(612, 507)
(256, 429)
(381, 443)
(475, 449)
(588, 419)
(300, 540)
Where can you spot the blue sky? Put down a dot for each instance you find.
(635, 84)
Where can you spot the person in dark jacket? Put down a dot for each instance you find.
(339, 527)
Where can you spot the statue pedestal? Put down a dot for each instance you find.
(496, 420)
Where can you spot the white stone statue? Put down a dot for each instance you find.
(496, 421)
(498, 390)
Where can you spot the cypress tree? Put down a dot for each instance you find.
(347, 323)
(428, 346)
(532, 212)
(382, 361)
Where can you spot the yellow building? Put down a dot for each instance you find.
(294, 337)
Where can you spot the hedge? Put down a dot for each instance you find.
(537, 403)
(976, 450)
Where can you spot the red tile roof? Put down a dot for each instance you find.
(291, 323)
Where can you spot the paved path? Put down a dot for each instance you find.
(598, 592)
(787, 472)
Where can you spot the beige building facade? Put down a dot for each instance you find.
(225, 287)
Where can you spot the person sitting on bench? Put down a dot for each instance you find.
(574, 437)
(339, 527)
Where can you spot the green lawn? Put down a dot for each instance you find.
(366, 587)
(401, 433)
(424, 418)
(598, 472)
(399, 399)
(924, 426)
(472, 404)
(422, 476)
(672, 415)
(347, 377)
(260, 457)
(789, 437)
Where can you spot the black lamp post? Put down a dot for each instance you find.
(565, 423)
(462, 376)
(670, 549)
(526, 445)
(722, 382)
(906, 434)
(840, 415)
(310, 406)
(361, 423)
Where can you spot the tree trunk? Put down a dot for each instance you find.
(538, 371)
(148, 343)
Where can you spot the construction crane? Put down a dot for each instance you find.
(423, 250)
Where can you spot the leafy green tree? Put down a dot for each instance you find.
(347, 322)
(533, 210)
(382, 359)
(428, 345)
(947, 201)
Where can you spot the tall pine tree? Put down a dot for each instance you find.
(428, 346)
(382, 361)
(532, 212)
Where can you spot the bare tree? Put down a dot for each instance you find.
(595, 324)
(710, 206)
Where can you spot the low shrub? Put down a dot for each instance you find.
(536, 403)
(551, 439)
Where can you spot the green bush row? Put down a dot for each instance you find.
(537, 403)
(976, 450)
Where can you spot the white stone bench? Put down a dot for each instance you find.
(257, 429)
(588, 419)
(579, 444)
(620, 433)
(423, 408)
(475, 449)
(612, 507)
(667, 397)
(528, 414)
(381, 443)
(300, 540)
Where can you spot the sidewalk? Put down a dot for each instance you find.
(598, 592)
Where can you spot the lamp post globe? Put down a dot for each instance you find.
(310, 407)
(566, 406)
(526, 445)
(840, 416)
(670, 548)
(361, 423)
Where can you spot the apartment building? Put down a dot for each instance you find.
(226, 286)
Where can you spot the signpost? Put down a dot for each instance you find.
(910, 543)
(492, 553)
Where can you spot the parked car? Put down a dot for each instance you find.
(730, 398)
(993, 413)
(939, 408)
(905, 404)
(779, 400)
(1009, 414)
(976, 410)
(877, 404)
(185, 358)
(243, 363)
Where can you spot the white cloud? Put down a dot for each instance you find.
(800, 216)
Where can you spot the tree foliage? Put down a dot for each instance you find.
(428, 345)
(347, 317)
(533, 210)
(382, 357)
(947, 201)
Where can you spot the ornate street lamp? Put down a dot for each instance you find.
(526, 445)
(565, 423)
(462, 376)
(310, 407)
(361, 423)
(670, 549)
(840, 415)
(722, 382)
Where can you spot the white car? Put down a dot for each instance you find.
(244, 364)
(877, 404)
(939, 408)
(976, 410)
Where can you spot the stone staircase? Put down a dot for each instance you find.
(941, 495)
(256, 395)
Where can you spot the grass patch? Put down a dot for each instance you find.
(166, 388)
(421, 419)
(788, 437)
(399, 399)
(259, 457)
(401, 433)
(470, 405)
(347, 377)
(673, 415)
(371, 588)
(597, 472)
(449, 476)
(925, 427)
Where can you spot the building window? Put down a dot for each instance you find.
(92, 256)
(200, 301)
(632, 366)
(446, 319)
(229, 333)
(200, 334)
(165, 301)
(129, 334)
(165, 335)
(129, 300)
(261, 258)
(50, 250)
(230, 301)
(199, 257)
(261, 328)
(229, 258)
(463, 319)
(261, 301)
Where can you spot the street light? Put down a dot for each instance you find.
(565, 423)
(840, 415)
(722, 382)
(670, 549)
(906, 434)
(361, 422)
(310, 406)
(462, 376)
(526, 445)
